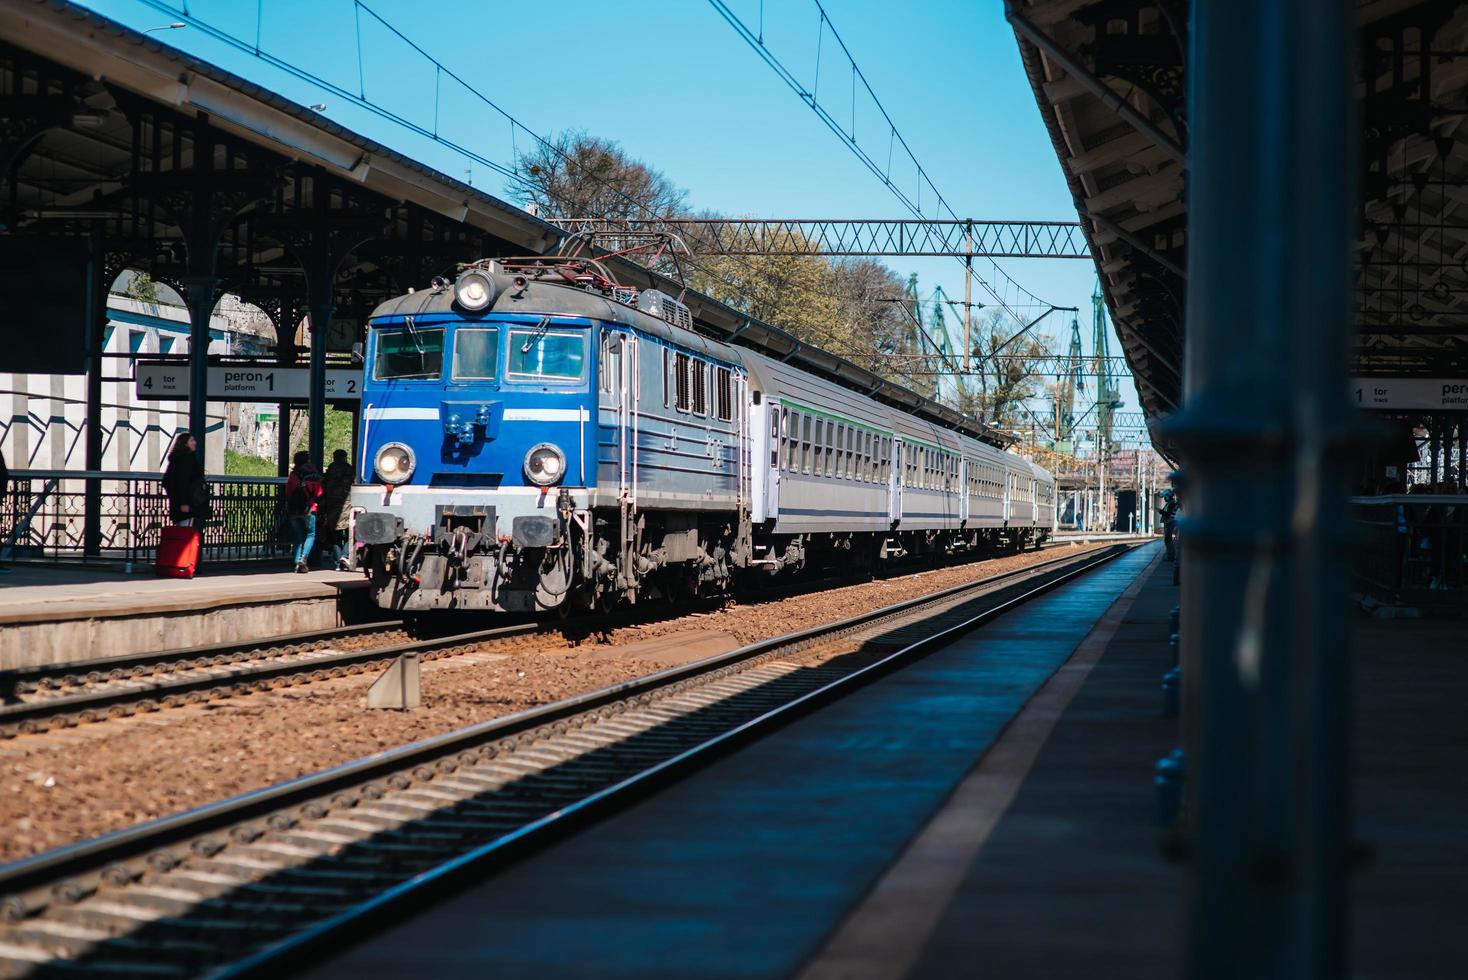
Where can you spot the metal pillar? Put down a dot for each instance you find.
(319, 286)
(200, 284)
(285, 354)
(1462, 454)
(1271, 202)
(1434, 442)
(96, 330)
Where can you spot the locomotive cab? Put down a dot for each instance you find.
(477, 449)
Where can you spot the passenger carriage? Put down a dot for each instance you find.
(535, 436)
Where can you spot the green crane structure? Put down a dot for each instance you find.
(1071, 381)
(1108, 395)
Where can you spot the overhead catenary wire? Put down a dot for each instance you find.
(912, 202)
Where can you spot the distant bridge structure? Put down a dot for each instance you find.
(908, 237)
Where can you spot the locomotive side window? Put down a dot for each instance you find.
(700, 388)
(683, 378)
(535, 354)
(606, 368)
(666, 368)
(723, 394)
(476, 354)
(413, 353)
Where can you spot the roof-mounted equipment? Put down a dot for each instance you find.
(657, 303)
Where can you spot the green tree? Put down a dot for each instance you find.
(142, 288)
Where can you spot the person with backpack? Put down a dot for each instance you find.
(302, 491)
(332, 515)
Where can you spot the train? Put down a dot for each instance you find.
(536, 436)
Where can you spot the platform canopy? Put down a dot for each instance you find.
(1110, 78)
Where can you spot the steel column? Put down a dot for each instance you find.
(1434, 446)
(1462, 454)
(1271, 202)
(319, 286)
(285, 333)
(96, 330)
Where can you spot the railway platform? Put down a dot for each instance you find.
(57, 614)
(988, 810)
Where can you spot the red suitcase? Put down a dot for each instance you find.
(178, 552)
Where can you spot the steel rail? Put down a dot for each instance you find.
(29, 717)
(91, 671)
(222, 680)
(71, 874)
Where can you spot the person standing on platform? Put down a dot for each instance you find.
(183, 481)
(1169, 521)
(302, 496)
(336, 487)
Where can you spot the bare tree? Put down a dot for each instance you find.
(576, 175)
(1006, 367)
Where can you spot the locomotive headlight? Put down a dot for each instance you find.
(474, 290)
(395, 463)
(545, 464)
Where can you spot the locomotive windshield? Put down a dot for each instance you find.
(408, 353)
(541, 354)
(476, 353)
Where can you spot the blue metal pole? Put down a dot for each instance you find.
(1271, 208)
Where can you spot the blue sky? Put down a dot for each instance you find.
(675, 85)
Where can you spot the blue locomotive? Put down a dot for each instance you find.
(537, 436)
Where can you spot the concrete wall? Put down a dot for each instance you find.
(63, 640)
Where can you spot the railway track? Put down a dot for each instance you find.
(39, 699)
(242, 886)
(44, 681)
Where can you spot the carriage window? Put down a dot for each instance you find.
(777, 433)
(683, 379)
(818, 450)
(850, 453)
(831, 445)
(476, 354)
(538, 354)
(807, 448)
(790, 424)
(408, 354)
(723, 394)
(700, 388)
(840, 451)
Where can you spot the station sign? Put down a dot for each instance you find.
(244, 382)
(1410, 394)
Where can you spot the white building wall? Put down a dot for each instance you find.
(43, 417)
